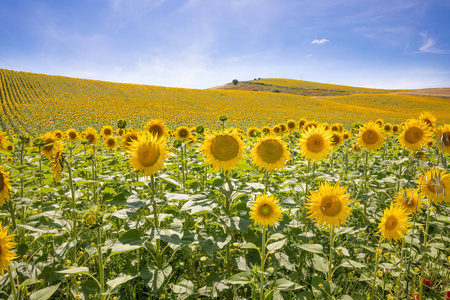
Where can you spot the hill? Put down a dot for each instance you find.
(37, 103)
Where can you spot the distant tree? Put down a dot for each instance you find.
(235, 81)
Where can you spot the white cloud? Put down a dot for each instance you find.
(319, 42)
(429, 44)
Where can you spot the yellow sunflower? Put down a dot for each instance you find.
(57, 162)
(223, 150)
(302, 123)
(315, 143)
(110, 143)
(409, 199)
(9, 148)
(335, 127)
(291, 125)
(157, 127)
(90, 134)
(428, 118)
(435, 184)
(120, 131)
(183, 133)
(5, 187)
(336, 138)
(270, 153)
(107, 131)
(49, 142)
(346, 135)
(394, 223)
(148, 153)
(265, 130)
(128, 138)
(415, 134)
(380, 122)
(265, 211)
(58, 134)
(371, 136)
(310, 124)
(3, 139)
(276, 129)
(395, 128)
(283, 127)
(443, 138)
(72, 135)
(329, 205)
(5, 249)
(387, 127)
(252, 131)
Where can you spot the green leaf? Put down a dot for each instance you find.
(240, 278)
(348, 263)
(79, 270)
(155, 278)
(286, 285)
(184, 287)
(45, 293)
(313, 248)
(276, 236)
(320, 264)
(211, 244)
(113, 283)
(306, 295)
(276, 245)
(236, 223)
(249, 246)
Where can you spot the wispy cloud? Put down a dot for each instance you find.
(429, 45)
(319, 42)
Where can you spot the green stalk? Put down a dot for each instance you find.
(308, 168)
(366, 161)
(100, 263)
(155, 215)
(263, 260)
(425, 244)
(266, 187)
(330, 261)
(377, 257)
(13, 215)
(13, 286)
(94, 181)
(73, 213)
(183, 170)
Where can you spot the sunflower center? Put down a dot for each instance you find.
(291, 125)
(107, 131)
(155, 129)
(265, 210)
(270, 151)
(436, 186)
(49, 148)
(335, 140)
(391, 223)
(315, 143)
(409, 201)
(72, 135)
(224, 147)
(370, 136)
(148, 154)
(445, 139)
(58, 135)
(111, 142)
(277, 129)
(183, 133)
(331, 206)
(413, 135)
(90, 137)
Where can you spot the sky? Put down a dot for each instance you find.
(397, 44)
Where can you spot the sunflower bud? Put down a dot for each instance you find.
(223, 118)
(93, 219)
(121, 123)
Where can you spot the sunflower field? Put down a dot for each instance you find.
(248, 206)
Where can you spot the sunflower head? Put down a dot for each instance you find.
(93, 218)
(346, 135)
(371, 136)
(120, 131)
(107, 131)
(443, 138)
(395, 128)
(110, 143)
(283, 127)
(200, 129)
(265, 131)
(387, 127)
(409, 199)
(329, 205)
(5, 187)
(10, 148)
(435, 184)
(309, 125)
(6, 255)
(49, 141)
(301, 123)
(252, 132)
(57, 161)
(90, 135)
(380, 122)
(315, 143)
(128, 138)
(265, 211)
(428, 118)
(276, 129)
(336, 138)
(270, 153)
(121, 124)
(291, 125)
(147, 153)
(58, 134)
(415, 134)
(3, 139)
(356, 148)
(183, 133)
(394, 223)
(72, 135)
(157, 127)
(223, 150)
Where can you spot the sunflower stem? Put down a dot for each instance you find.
(13, 286)
(266, 187)
(306, 189)
(100, 263)
(13, 215)
(263, 260)
(155, 214)
(72, 208)
(183, 166)
(375, 270)
(330, 261)
(425, 245)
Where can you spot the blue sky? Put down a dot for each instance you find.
(206, 43)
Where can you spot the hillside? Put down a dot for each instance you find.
(37, 103)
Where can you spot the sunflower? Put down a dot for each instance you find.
(252, 131)
(58, 134)
(72, 135)
(302, 123)
(183, 133)
(415, 134)
(5, 249)
(356, 148)
(428, 118)
(435, 184)
(395, 128)
(335, 127)
(270, 153)
(310, 124)
(329, 205)
(49, 141)
(223, 150)
(90, 134)
(409, 199)
(371, 136)
(110, 143)
(57, 162)
(336, 139)
(315, 143)
(291, 125)
(265, 211)
(387, 127)
(346, 135)
(443, 138)
(5, 187)
(3, 139)
(148, 153)
(394, 223)
(265, 130)
(9, 148)
(283, 127)
(107, 131)
(128, 138)
(276, 129)
(157, 127)
(120, 131)
(379, 122)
